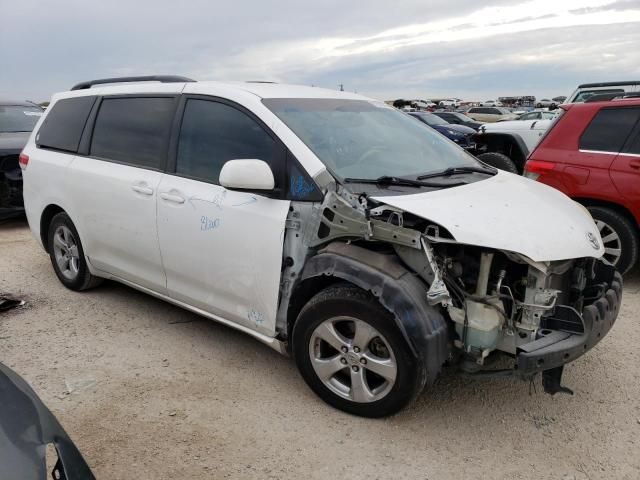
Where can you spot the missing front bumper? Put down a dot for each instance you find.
(557, 348)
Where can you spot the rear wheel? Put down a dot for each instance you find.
(350, 352)
(498, 160)
(619, 237)
(67, 255)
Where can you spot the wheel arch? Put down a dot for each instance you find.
(510, 144)
(48, 213)
(622, 210)
(398, 290)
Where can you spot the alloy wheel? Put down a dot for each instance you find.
(353, 359)
(611, 242)
(65, 250)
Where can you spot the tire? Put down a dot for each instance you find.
(539, 105)
(611, 224)
(65, 249)
(332, 314)
(499, 160)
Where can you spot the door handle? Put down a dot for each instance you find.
(171, 197)
(635, 164)
(142, 189)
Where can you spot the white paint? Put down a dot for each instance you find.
(222, 250)
(508, 212)
(248, 174)
(114, 206)
(529, 130)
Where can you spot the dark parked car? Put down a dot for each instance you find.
(460, 134)
(456, 118)
(17, 120)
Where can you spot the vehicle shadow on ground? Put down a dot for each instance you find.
(455, 392)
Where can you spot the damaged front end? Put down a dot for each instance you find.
(542, 315)
(474, 306)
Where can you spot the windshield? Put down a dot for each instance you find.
(430, 119)
(585, 94)
(17, 118)
(367, 139)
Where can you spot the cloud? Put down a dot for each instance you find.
(465, 48)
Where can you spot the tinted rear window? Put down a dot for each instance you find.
(63, 126)
(609, 129)
(133, 130)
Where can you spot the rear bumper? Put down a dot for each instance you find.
(11, 202)
(555, 348)
(6, 213)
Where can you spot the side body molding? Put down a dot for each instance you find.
(398, 290)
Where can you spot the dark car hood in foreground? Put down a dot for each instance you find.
(13, 141)
(26, 427)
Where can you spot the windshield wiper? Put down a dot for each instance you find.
(404, 182)
(453, 170)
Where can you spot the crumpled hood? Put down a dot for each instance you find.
(509, 212)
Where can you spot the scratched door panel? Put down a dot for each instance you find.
(222, 250)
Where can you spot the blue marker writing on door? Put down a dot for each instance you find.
(207, 223)
(298, 187)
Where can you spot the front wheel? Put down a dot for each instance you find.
(350, 352)
(498, 160)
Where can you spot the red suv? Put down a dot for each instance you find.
(592, 154)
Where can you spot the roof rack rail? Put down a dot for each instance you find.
(609, 84)
(259, 81)
(146, 78)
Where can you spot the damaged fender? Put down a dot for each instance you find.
(398, 290)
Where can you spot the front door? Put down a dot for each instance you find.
(222, 249)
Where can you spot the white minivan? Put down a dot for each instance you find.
(323, 223)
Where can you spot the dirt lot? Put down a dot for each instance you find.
(158, 392)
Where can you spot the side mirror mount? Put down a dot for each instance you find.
(247, 174)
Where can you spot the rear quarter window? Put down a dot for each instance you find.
(63, 126)
(609, 129)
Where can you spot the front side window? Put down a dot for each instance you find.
(133, 130)
(609, 129)
(367, 139)
(213, 133)
(18, 118)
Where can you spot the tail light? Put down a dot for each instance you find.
(534, 168)
(23, 161)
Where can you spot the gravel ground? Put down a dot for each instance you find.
(157, 392)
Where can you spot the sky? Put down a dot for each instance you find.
(385, 49)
